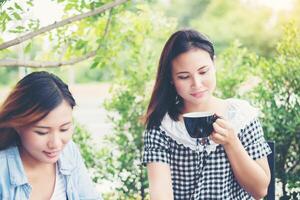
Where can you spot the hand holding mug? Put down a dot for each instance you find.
(223, 132)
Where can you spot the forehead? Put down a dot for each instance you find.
(59, 115)
(191, 59)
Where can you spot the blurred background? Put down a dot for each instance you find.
(109, 59)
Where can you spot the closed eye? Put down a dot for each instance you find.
(183, 77)
(64, 130)
(41, 133)
(204, 70)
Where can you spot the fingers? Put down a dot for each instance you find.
(219, 129)
(222, 122)
(223, 131)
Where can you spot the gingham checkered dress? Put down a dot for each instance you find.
(199, 174)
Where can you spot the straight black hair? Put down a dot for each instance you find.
(164, 98)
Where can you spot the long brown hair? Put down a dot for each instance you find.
(31, 100)
(164, 98)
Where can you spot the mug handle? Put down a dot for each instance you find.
(215, 117)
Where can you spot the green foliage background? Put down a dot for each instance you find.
(257, 59)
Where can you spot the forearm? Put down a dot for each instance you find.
(250, 175)
(160, 195)
(159, 191)
(160, 183)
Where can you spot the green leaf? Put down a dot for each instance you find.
(69, 7)
(20, 27)
(29, 3)
(17, 16)
(94, 65)
(18, 7)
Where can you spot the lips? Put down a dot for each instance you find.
(198, 94)
(51, 154)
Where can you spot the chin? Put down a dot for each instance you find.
(201, 100)
(49, 160)
(52, 160)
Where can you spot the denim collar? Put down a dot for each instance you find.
(15, 166)
(66, 165)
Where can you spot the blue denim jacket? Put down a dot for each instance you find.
(14, 183)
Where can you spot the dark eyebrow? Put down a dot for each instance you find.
(181, 73)
(202, 67)
(66, 123)
(47, 127)
(184, 72)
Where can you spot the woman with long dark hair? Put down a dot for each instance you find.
(232, 162)
(38, 159)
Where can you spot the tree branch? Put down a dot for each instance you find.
(107, 23)
(44, 64)
(55, 25)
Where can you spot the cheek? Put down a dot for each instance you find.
(67, 136)
(180, 89)
(26, 137)
(181, 86)
(213, 82)
(32, 141)
(29, 137)
(210, 81)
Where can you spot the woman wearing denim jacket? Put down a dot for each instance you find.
(38, 159)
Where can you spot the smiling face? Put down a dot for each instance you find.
(43, 141)
(193, 75)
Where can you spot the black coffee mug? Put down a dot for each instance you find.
(199, 124)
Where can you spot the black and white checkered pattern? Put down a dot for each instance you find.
(199, 175)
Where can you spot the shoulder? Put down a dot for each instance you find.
(243, 107)
(6, 156)
(155, 137)
(241, 113)
(3, 161)
(241, 103)
(71, 148)
(71, 151)
(155, 132)
(70, 155)
(5, 153)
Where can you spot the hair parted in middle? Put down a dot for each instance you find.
(164, 98)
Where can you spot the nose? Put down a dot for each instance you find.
(55, 141)
(197, 81)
